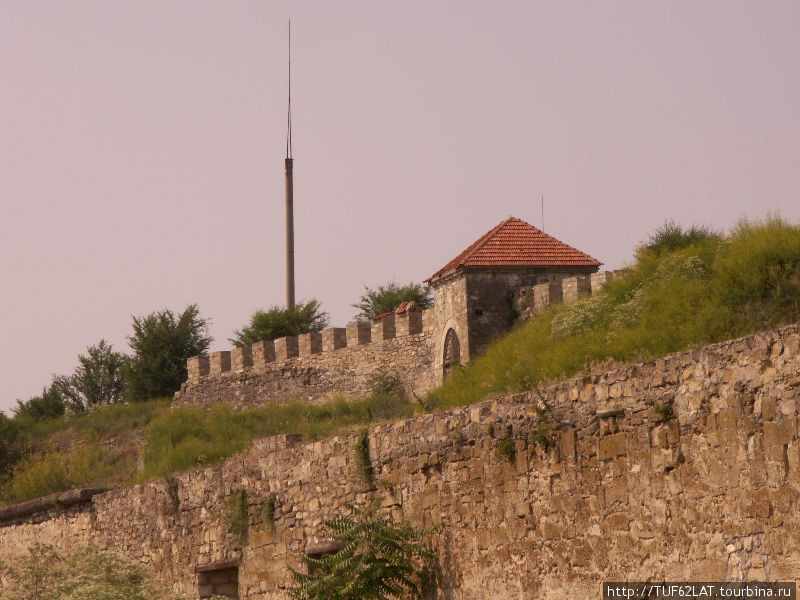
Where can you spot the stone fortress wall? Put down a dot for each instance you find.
(683, 468)
(343, 361)
(315, 366)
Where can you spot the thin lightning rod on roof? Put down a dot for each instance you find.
(542, 212)
(289, 164)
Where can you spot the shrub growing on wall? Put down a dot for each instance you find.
(162, 342)
(378, 561)
(277, 322)
(386, 298)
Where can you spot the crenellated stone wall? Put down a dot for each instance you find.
(342, 361)
(682, 468)
(314, 367)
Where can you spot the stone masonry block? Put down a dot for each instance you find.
(427, 320)
(408, 323)
(611, 446)
(309, 343)
(545, 294)
(333, 338)
(358, 334)
(241, 358)
(575, 288)
(383, 329)
(220, 362)
(263, 353)
(598, 280)
(778, 432)
(198, 366)
(286, 347)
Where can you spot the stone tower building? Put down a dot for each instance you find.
(474, 293)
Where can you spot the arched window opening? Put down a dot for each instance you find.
(452, 353)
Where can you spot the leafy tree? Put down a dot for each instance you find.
(276, 322)
(98, 379)
(377, 561)
(385, 298)
(162, 342)
(49, 405)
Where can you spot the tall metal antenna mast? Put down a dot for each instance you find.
(542, 212)
(288, 162)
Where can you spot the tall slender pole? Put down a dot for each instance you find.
(542, 212)
(289, 236)
(289, 163)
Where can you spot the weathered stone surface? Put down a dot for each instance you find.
(241, 358)
(709, 493)
(220, 363)
(315, 377)
(334, 338)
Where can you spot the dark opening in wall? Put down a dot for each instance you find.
(478, 312)
(218, 579)
(452, 353)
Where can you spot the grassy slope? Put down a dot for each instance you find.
(684, 291)
(687, 289)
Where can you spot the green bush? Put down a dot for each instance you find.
(686, 289)
(385, 298)
(362, 459)
(82, 573)
(268, 508)
(38, 475)
(378, 561)
(506, 448)
(48, 405)
(238, 516)
(671, 236)
(388, 399)
(663, 410)
(277, 322)
(162, 342)
(9, 450)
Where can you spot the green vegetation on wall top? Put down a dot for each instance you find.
(277, 322)
(686, 289)
(386, 298)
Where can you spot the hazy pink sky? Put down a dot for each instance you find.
(141, 146)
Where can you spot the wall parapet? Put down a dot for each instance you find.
(260, 354)
(315, 366)
(533, 300)
(57, 501)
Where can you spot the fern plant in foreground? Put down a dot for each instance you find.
(378, 561)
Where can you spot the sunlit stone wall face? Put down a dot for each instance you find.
(687, 467)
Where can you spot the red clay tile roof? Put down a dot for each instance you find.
(515, 243)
